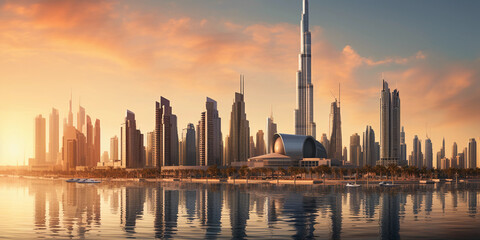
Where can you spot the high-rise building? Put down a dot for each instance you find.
(90, 146)
(454, 150)
(271, 130)
(460, 160)
(81, 120)
(377, 151)
(304, 123)
(73, 148)
(260, 144)
(335, 147)
(416, 158)
(324, 141)
(165, 148)
(187, 147)
(441, 155)
(472, 154)
(238, 137)
(210, 136)
(389, 127)
(428, 163)
(345, 154)
(96, 143)
(356, 151)
(53, 136)
(403, 147)
(40, 140)
(114, 149)
(149, 151)
(369, 155)
(252, 148)
(132, 143)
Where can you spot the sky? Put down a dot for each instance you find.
(115, 55)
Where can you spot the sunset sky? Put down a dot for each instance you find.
(119, 55)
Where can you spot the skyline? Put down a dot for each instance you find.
(91, 68)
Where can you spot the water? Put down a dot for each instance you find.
(54, 209)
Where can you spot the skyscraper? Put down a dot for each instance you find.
(210, 136)
(356, 151)
(403, 147)
(369, 154)
(472, 153)
(335, 147)
(324, 141)
(441, 155)
(260, 144)
(73, 148)
(416, 158)
(114, 149)
(187, 146)
(96, 143)
(428, 163)
(40, 140)
(149, 151)
(252, 148)
(165, 148)
(81, 119)
(304, 124)
(238, 137)
(132, 143)
(53, 136)
(271, 130)
(90, 146)
(389, 127)
(454, 150)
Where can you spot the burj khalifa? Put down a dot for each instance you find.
(304, 124)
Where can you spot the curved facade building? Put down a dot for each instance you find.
(298, 147)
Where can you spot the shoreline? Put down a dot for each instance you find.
(256, 181)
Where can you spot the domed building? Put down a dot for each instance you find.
(291, 151)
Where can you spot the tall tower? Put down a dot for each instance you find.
(165, 148)
(335, 147)
(390, 151)
(356, 151)
(187, 147)
(428, 154)
(131, 143)
(40, 138)
(239, 135)
(271, 130)
(304, 124)
(369, 156)
(210, 136)
(53, 136)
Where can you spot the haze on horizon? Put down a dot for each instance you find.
(116, 55)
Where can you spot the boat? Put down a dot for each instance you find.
(87, 180)
(73, 180)
(449, 180)
(352, 185)
(426, 182)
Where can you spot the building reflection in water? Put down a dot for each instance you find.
(132, 199)
(238, 203)
(73, 210)
(389, 219)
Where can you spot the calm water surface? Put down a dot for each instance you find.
(54, 209)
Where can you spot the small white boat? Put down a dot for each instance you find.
(87, 180)
(389, 185)
(352, 185)
(73, 180)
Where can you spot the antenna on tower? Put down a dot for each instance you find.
(242, 84)
(338, 94)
